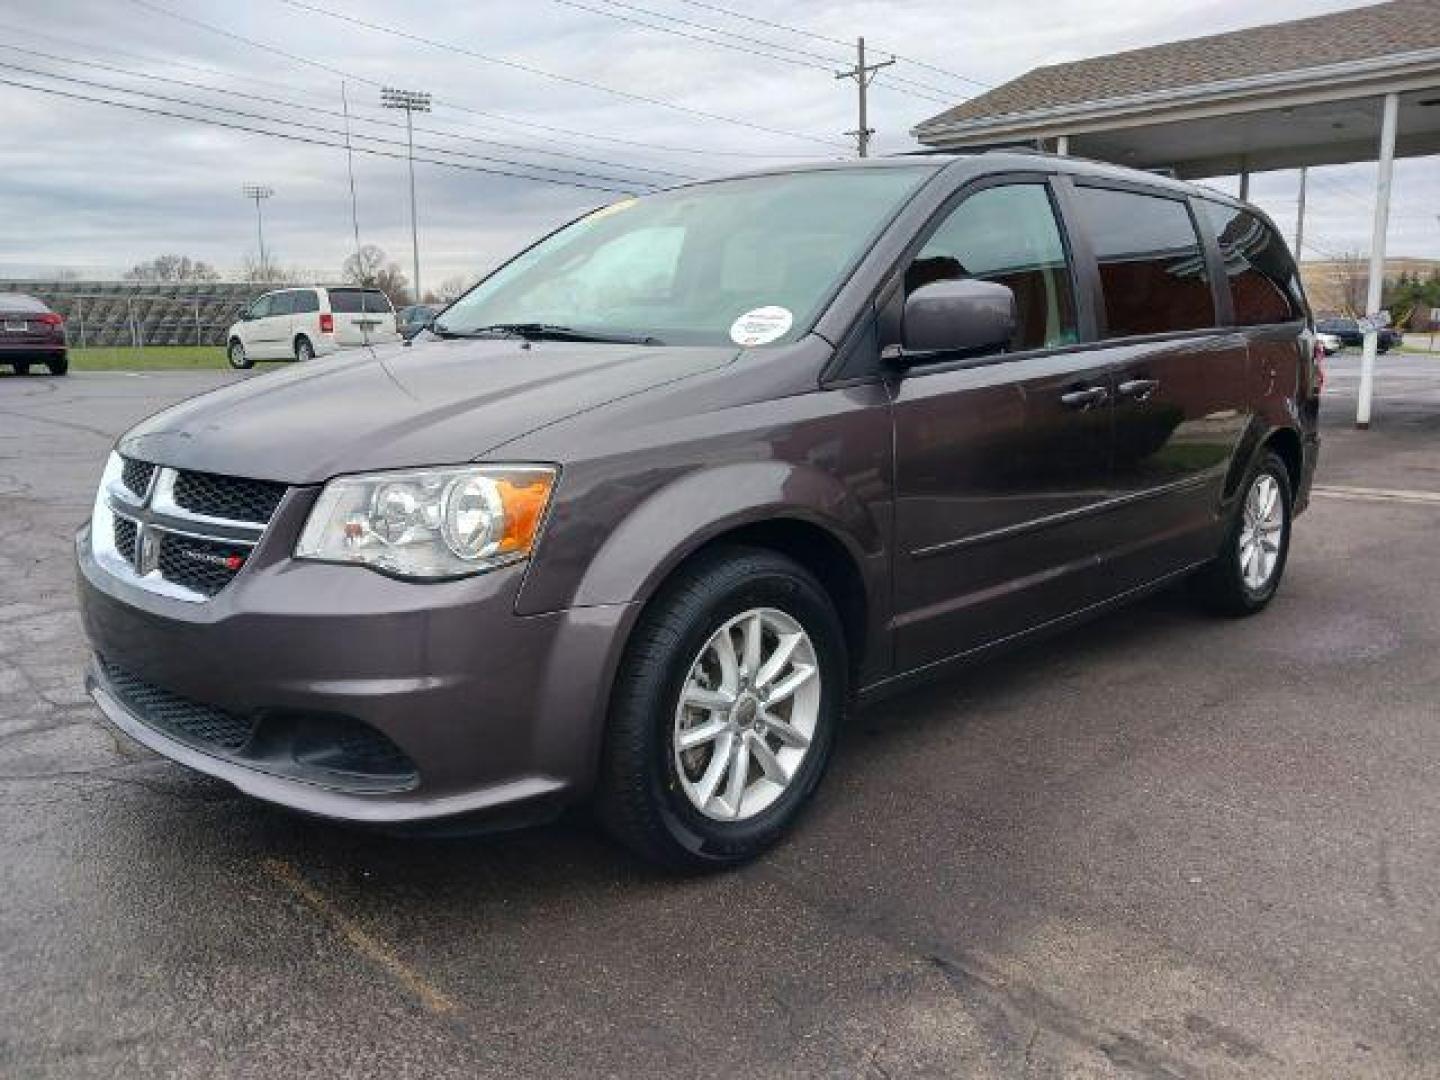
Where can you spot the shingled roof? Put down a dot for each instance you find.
(1377, 30)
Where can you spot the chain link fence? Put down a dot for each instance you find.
(123, 313)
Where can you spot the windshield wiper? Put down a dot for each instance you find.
(549, 331)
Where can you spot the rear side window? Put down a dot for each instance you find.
(1152, 271)
(358, 301)
(1007, 234)
(302, 302)
(1263, 283)
(283, 303)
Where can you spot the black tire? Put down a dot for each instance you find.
(238, 357)
(22, 367)
(1221, 586)
(58, 367)
(304, 350)
(639, 799)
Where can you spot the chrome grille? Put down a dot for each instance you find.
(206, 566)
(136, 476)
(183, 534)
(125, 531)
(230, 497)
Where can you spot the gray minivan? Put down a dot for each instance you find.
(643, 512)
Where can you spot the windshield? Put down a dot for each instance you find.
(748, 261)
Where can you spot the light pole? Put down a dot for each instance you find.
(412, 101)
(258, 192)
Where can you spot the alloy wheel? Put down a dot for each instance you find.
(747, 714)
(1261, 532)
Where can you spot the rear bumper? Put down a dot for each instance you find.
(29, 350)
(500, 714)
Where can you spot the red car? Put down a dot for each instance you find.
(30, 333)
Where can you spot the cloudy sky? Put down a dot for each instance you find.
(93, 188)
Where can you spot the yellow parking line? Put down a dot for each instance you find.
(364, 943)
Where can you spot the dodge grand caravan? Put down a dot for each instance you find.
(301, 324)
(641, 514)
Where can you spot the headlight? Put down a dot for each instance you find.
(430, 523)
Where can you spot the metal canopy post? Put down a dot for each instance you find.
(1388, 120)
(1062, 145)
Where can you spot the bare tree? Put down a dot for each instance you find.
(268, 272)
(1351, 273)
(371, 268)
(172, 268)
(451, 289)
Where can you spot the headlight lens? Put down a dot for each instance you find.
(430, 523)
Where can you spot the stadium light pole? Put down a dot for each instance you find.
(412, 101)
(258, 192)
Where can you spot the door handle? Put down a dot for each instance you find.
(1139, 389)
(1084, 399)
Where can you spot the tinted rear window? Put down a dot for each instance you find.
(358, 301)
(14, 301)
(1263, 282)
(1151, 267)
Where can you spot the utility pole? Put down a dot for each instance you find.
(412, 101)
(259, 192)
(863, 77)
(1300, 218)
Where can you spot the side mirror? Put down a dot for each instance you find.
(964, 315)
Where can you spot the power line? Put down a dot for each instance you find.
(93, 84)
(744, 17)
(291, 137)
(338, 114)
(530, 69)
(813, 60)
(714, 151)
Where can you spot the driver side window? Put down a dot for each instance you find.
(262, 307)
(1009, 235)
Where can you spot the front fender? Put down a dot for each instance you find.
(677, 518)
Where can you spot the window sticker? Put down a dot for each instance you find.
(760, 326)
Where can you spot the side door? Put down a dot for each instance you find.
(252, 327)
(305, 317)
(1182, 404)
(1002, 462)
(272, 333)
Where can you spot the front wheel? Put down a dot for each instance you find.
(725, 711)
(237, 356)
(1246, 574)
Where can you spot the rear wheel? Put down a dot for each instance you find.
(59, 366)
(304, 350)
(237, 356)
(724, 713)
(1246, 574)
(22, 368)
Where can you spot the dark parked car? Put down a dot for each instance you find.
(1352, 336)
(655, 501)
(30, 333)
(415, 318)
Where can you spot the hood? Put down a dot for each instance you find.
(438, 402)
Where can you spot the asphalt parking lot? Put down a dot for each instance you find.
(1163, 845)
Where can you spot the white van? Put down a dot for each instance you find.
(300, 324)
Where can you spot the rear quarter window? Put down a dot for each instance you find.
(1152, 271)
(359, 301)
(1264, 285)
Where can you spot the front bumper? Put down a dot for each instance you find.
(499, 713)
